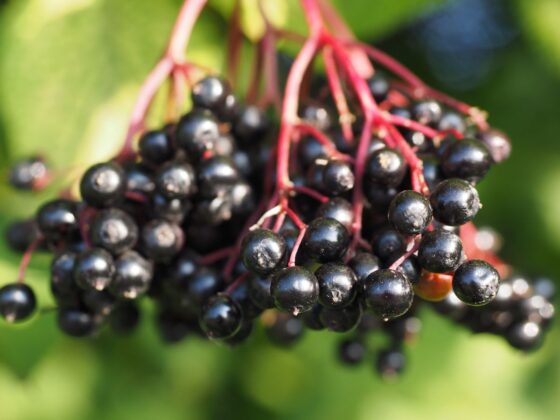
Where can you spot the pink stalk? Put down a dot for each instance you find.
(360, 60)
(290, 109)
(337, 92)
(323, 139)
(311, 193)
(173, 56)
(415, 244)
(26, 258)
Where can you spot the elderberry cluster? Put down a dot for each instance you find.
(176, 222)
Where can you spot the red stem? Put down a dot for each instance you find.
(323, 139)
(335, 85)
(26, 258)
(173, 56)
(415, 245)
(235, 42)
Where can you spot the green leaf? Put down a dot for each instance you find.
(70, 71)
(371, 20)
(540, 20)
(366, 18)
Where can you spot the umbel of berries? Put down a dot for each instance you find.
(348, 212)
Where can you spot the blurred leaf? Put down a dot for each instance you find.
(371, 20)
(540, 20)
(366, 18)
(79, 63)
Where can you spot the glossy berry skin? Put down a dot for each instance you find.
(58, 219)
(294, 289)
(309, 150)
(387, 242)
(259, 291)
(197, 288)
(498, 144)
(388, 294)
(103, 184)
(210, 93)
(337, 285)
(262, 251)
(341, 320)
(409, 267)
(431, 171)
(216, 171)
(433, 287)
(440, 251)
(20, 234)
(155, 147)
(390, 363)
(351, 352)
(325, 239)
(176, 180)
(76, 322)
(173, 210)
(338, 177)
(526, 335)
(161, 240)
(62, 272)
(317, 115)
(427, 112)
(17, 302)
(476, 282)
(94, 269)
(139, 179)
(363, 264)
(410, 212)
(339, 209)
(250, 125)
(221, 317)
(385, 167)
(133, 275)
(467, 159)
(454, 202)
(29, 174)
(451, 120)
(114, 230)
(196, 132)
(379, 87)
(240, 295)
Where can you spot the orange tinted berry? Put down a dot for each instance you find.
(433, 286)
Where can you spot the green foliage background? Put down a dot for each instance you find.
(69, 71)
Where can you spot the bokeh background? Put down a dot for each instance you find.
(69, 70)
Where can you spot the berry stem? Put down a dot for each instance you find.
(414, 245)
(297, 244)
(235, 42)
(172, 58)
(311, 193)
(289, 115)
(216, 256)
(26, 258)
(345, 116)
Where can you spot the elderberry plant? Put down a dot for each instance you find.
(345, 208)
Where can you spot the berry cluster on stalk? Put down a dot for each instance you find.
(348, 216)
